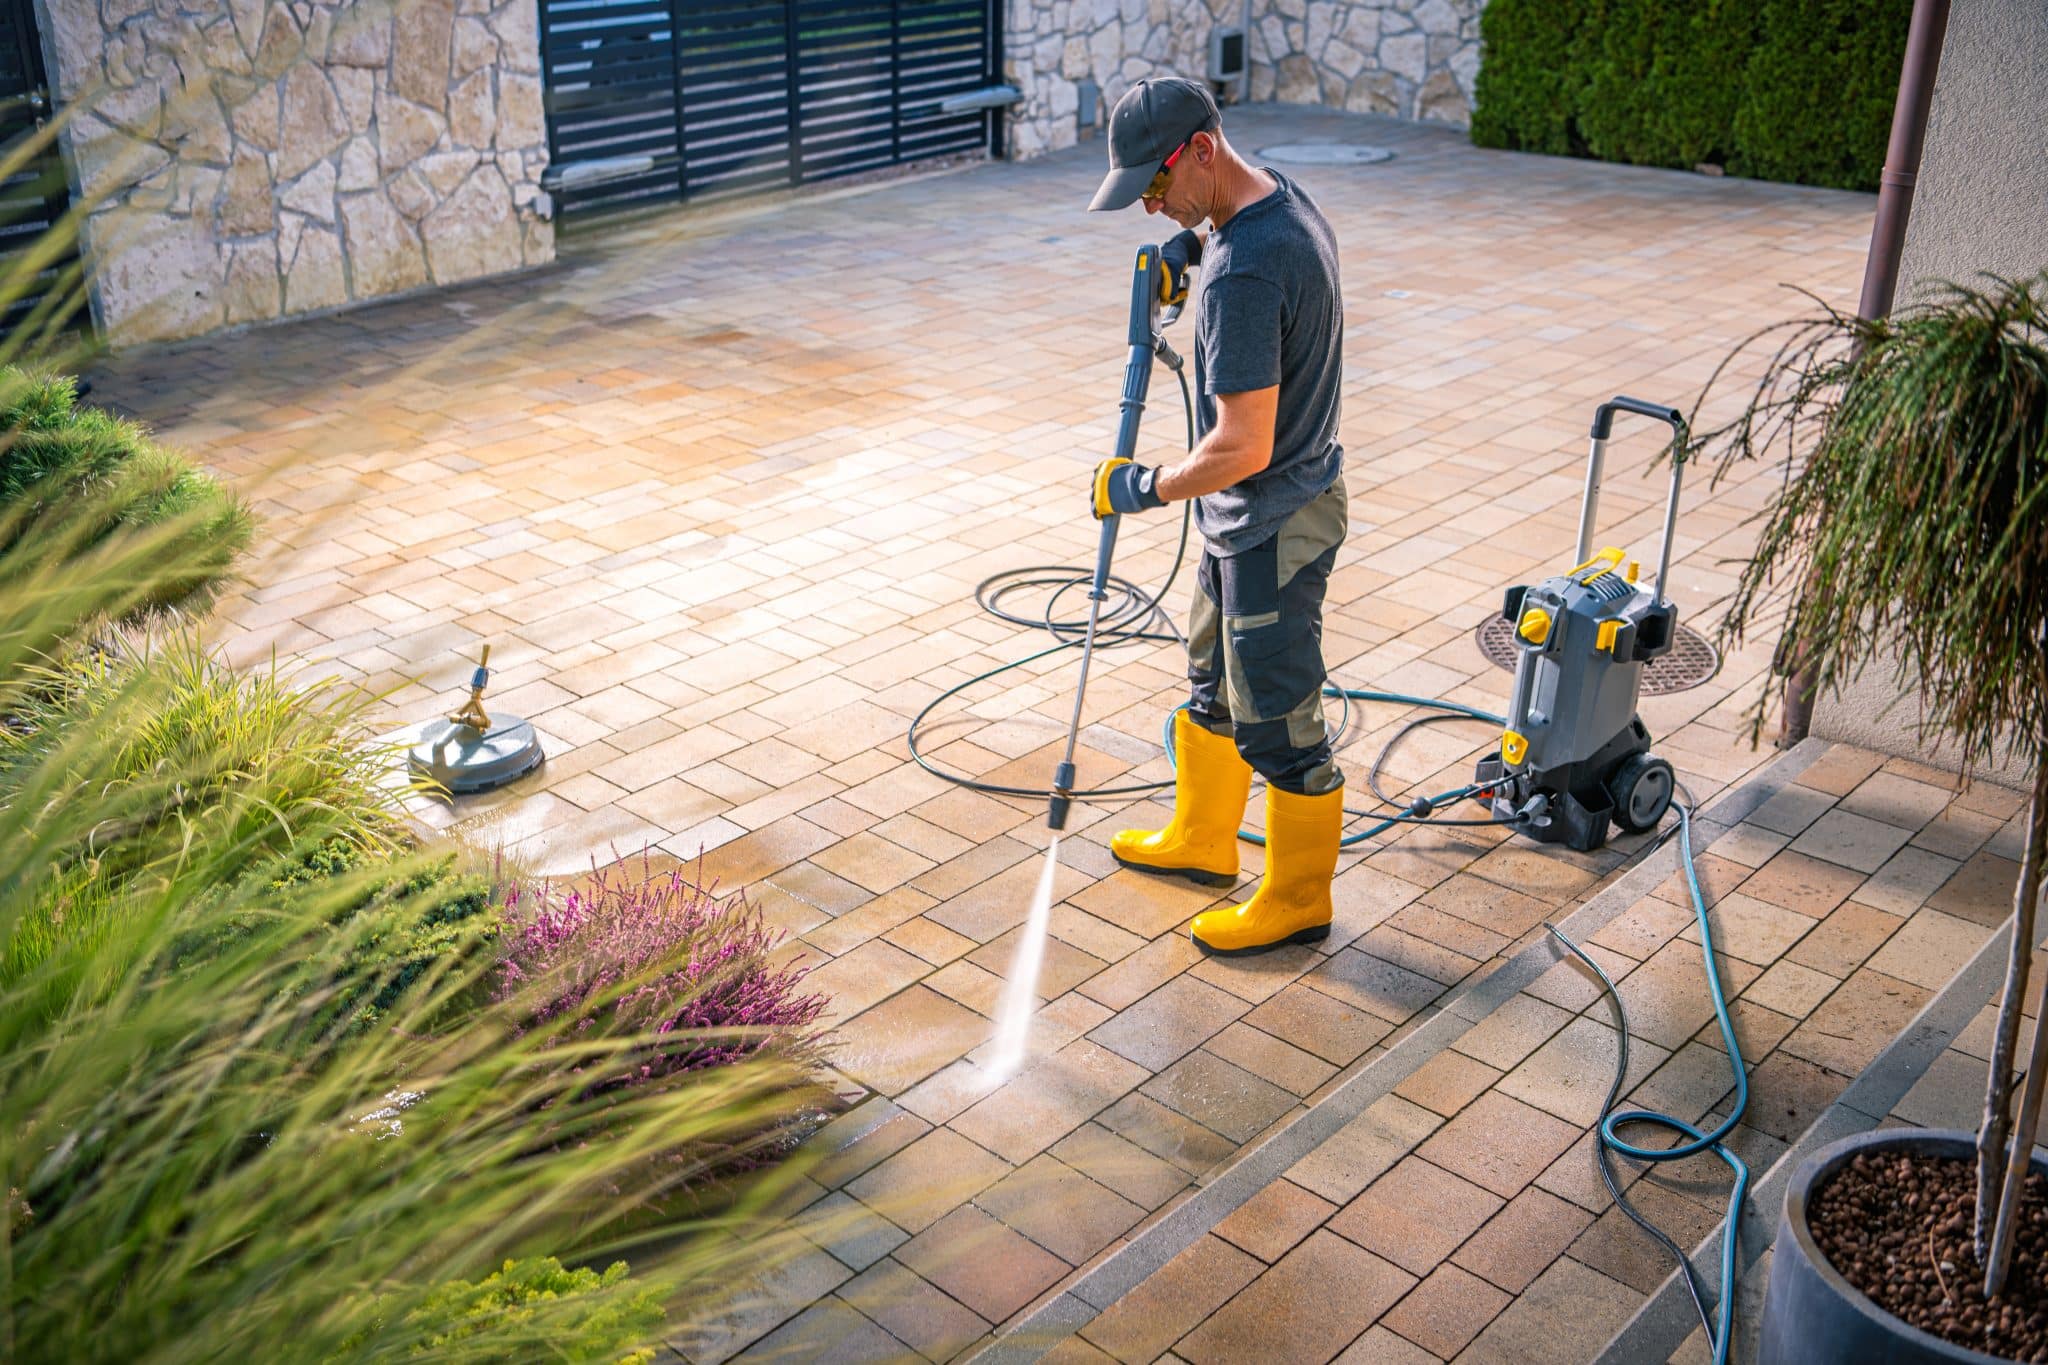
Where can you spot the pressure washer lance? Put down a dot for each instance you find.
(1154, 305)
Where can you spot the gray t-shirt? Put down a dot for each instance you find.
(1270, 312)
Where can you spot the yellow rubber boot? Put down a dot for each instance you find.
(1211, 781)
(1292, 904)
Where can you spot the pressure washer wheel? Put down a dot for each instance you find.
(1641, 788)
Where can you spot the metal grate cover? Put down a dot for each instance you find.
(1325, 153)
(1692, 660)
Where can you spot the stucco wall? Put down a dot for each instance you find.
(1981, 205)
(241, 160)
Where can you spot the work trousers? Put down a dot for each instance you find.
(1255, 647)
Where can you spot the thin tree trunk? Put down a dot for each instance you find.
(2026, 896)
(1997, 1126)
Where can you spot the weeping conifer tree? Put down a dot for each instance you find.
(1912, 526)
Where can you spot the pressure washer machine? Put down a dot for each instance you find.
(1574, 755)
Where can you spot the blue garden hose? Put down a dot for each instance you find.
(1718, 1325)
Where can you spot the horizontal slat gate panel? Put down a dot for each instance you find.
(36, 199)
(733, 96)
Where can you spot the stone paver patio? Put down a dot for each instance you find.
(717, 491)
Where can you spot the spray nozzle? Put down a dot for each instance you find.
(1062, 797)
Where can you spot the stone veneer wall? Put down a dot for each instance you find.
(241, 160)
(1050, 46)
(1415, 59)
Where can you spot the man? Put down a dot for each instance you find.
(1267, 482)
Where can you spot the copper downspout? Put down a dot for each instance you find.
(1887, 242)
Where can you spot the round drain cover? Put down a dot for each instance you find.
(1691, 660)
(1325, 153)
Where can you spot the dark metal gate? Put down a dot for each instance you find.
(38, 271)
(657, 100)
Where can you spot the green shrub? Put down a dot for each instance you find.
(1525, 94)
(205, 1159)
(1798, 90)
(595, 1317)
(51, 450)
(255, 760)
(1817, 101)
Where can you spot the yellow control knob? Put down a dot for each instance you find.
(1535, 626)
(1513, 748)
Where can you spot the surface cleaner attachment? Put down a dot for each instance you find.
(471, 751)
(1574, 755)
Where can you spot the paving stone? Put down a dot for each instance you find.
(1307, 1307)
(1949, 1094)
(1854, 841)
(1498, 1143)
(1795, 881)
(1143, 904)
(1840, 770)
(899, 1042)
(1790, 989)
(1136, 976)
(1644, 927)
(872, 862)
(1061, 965)
(999, 904)
(1048, 1100)
(1718, 875)
(1519, 1026)
(928, 1179)
(981, 1263)
(1446, 1310)
(1220, 1096)
(1169, 1023)
(1164, 1133)
(1981, 890)
(1362, 1150)
(1956, 832)
(1617, 1248)
(1186, 1290)
(1381, 1346)
(1568, 1313)
(1898, 801)
(1416, 1214)
(1488, 905)
(1130, 1170)
(756, 1301)
(1333, 1029)
(1753, 930)
(864, 1136)
(1418, 955)
(1266, 1056)
(914, 1311)
(1374, 985)
(1059, 1208)
(827, 1331)
(1447, 1082)
(855, 1235)
(1845, 939)
(1667, 997)
(1857, 1021)
(1568, 1076)
(1259, 978)
(1930, 950)
(1791, 809)
(1272, 1221)
(874, 971)
(1520, 1242)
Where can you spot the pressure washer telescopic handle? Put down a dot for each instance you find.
(1596, 459)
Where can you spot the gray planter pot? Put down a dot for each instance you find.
(1812, 1316)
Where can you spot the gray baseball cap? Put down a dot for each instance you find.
(1154, 116)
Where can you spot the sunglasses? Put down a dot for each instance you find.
(1157, 189)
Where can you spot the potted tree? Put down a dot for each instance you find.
(1912, 524)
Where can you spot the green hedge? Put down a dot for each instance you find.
(51, 448)
(1797, 90)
